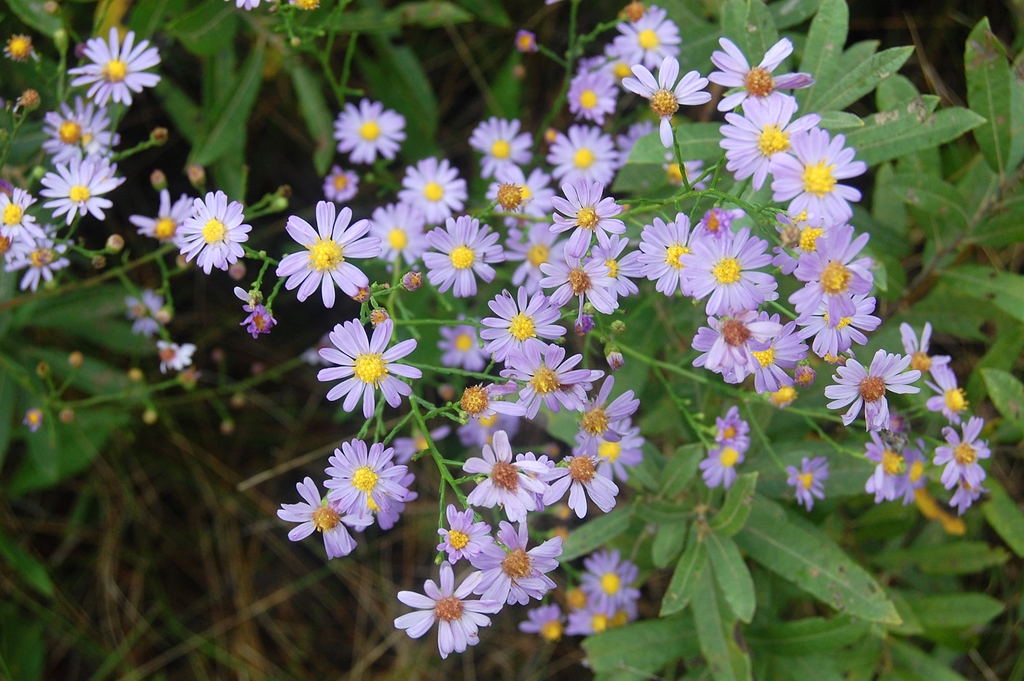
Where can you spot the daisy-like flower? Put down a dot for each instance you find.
(783, 352)
(581, 480)
(833, 337)
(479, 403)
(720, 466)
(724, 268)
(757, 82)
(648, 40)
(361, 475)
(508, 484)
(584, 153)
(367, 365)
(534, 191)
(512, 574)
(314, 514)
(461, 348)
(607, 578)
(867, 387)
(464, 538)
(661, 245)
(889, 477)
(388, 517)
(173, 356)
(260, 320)
(589, 282)
(666, 94)
(960, 456)
(625, 143)
(458, 618)
(613, 457)
(534, 247)
(520, 321)
(399, 227)
(464, 249)
(434, 188)
(325, 264)
(965, 496)
(592, 96)
(753, 139)
(914, 479)
(809, 176)
(408, 447)
(589, 620)
(526, 41)
(33, 419)
(340, 185)
(807, 481)
(78, 188)
(19, 48)
(547, 620)
(918, 351)
(169, 218)
(214, 232)
(39, 256)
(501, 143)
(951, 400)
(728, 344)
(247, 5)
(549, 378)
(732, 430)
(15, 222)
(621, 269)
(116, 70)
(143, 312)
(716, 223)
(587, 213)
(798, 234)
(598, 422)
(833, 272)
(369, 130)
(78, 133)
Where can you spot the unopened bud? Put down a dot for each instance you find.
(519, 72)
(79, 50)
(257, 368)
(790, 236)
(42, 370)
(159, 136)
(362, 295)
(189, 377)
(163, 315)
(285, 190)
(412, 281)
(149, 417)
(618, 326)
(550, 135)
(6, 188)
(181, 261)
(584, 325)
(379, 316)
(615, 360)
(135, 375)
(278, 204)
(634, 11)
(196, 175)
(526, 41)
(296, 41)
(76, 359)
(446, 391)
(227, 427)
(66, 415)
(5, 244)
(115, 243)
(158, 180)
(60, 40)
(804, 376)
(51, 7)
(99, 262)
(217, 355)
(237, 271)
(238, 400)
(588, 308)
(29, 99)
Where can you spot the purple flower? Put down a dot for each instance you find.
(756, 82)
(613, 457)
(434, 188)
(585, 153)
(464, 538)
(966, 494)
(464, 249)
(783, 352)
(526, 41)
(592, 96)
(590, 281)
(832, 273)
(587, 213)
(480, 431)
(728, 344)
(592, 619)
(723, 268)
(521, 321)
(478, 403)
(340, 185)
(580, 478)
(914, 478)
(918, 352)
(607, 578)
(797, 234)
(501, 143)
(951, 399)
(362, 478)
(717, 224)
(549, 378)
(512, 574)
(143, 312)
(33, 419)
(547, 620)
(720, 466)
(116, 70)
(649, 39)
(399, 227)
(461, 348)
(809, 176)
(867, 387)
(807, 480)
(607, 251)
(834, 337)
(369, 130)
(960, 457)
(732, 431)
(534, 192)
(539, 246)
(666, 94)
(597, 419)
(889, 476)
(328, 518)
(661, 246)
(509, 485)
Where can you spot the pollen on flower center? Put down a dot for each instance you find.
(433, 191)
(461, 257)
(583, 158)
(165, 228)
(448, 609)
(835, 278)
(664, 103)
(517, 564)
(364, 479)
(772, 140)
(595, 421)
(79, 193)
(648, 39)
(613, 268)
(609, 450)
(41, 257)
(956, 401)
(501, 149)
(588, 99)
(872, 389)
(765, 357)
(521, 327)
(551, 630)
(729, 457)
(504, 476)
(214, 231)
(457, 539)
(510, 195)
(672, 254)
(538, 254)
(610, 583)
(463, 343)
(326, 254)
(12, 214)
(965, 454)
(586, 218)
(19, 46)
(545, 381)
(818, 178)
(735, 332)
(369, 368)
(727, 270)
(916, 471)
(70, 132)
(759, 82)
(920, 361)
(809, 239)
(579, 280)
(340, 181)
(621, 70)
(397, 239)
(893, 463)
(806, 479)
(581, 469)
(325, 518)
(369, 131)
(115, 70)
(474, 400)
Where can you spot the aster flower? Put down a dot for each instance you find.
(260, 320)
(169, 218)
(434, 188)
(33, 419)
(143, 312)
(716, 223)
(547, 620)
(584, 153)
(78, 188)
(914, 479)
(591, 619)
(783, 352)
(832, 273)
(661, 245)
(757, 82)
(607, 578)
(960, 457)
(512, 574)
(501, 143)
(366, 365)
(247, 5)
(889, 475)
(19, 48)
(509, 485)
(649, 40)
(753, 139)
(324, 264)
(834, 337)
(520, 321)
(867, 387)
(720, 466)
(538, 245)
(340, 185)
(478, 432)
(408, 447)
(464, 538)
(807, 480)
(369, 130)
(458, 618)
(214, 232)
(592, 96)
(951, 400)
(965, 496)
(620, 270)
(613, 457)
(809, 176)
(579, 477)
(388, 517)
(15, 222)
(78, 133)
(547, 378)
(728, 344)
(399, 227)
(39, 256)
(534, 191)
(918, 351)
(723, 268)
(625, 143)
(526, 41)
(461, 348)
(666, 94)
(361, 475)
(589, 282)
(798, 234)
(597, 421)
(464, 249)
(586, 212)
(116, 70)
(479, 403)
(732, 430)
(174, 356)
(314, 514)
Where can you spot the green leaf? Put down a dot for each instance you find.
(825, 40)
(507, 89)
(1002, 228)
(687, 575)
(30, 569)
(834, 121)
(894, 91)
(911, 127)
(1006, 393)
(808, 635)
(680, 469)
(1005, 517)
(1004, 289)
(23, 645)
(738, 502)
(661, 511)
(319, 121)
(1003, 354)
(696, 141)
(31, 12)
(431, 14)
(184, 112)
(955, 611)
(790, 13)
(954, 558)
(225, 130)
(858, 81)
(648, 645)
(489, 11)
(934, 197)
(988, 93)
(669, 540)
(596, 533)
(920, 663)
(732, 575)
(147, 17)
(206, 28)
(812, 668)
(812, 561)
(734, 17)
(715, 635)
(760, 31)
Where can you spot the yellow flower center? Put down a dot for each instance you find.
(517, 564)
(893, 463)
(648, 39)
(501, 149)
(545, 381)
(525, 193)
(326, 254)
(600, 622)
(20, 46)
(397, 239)
(818, 178)
(729, 457)
(510, 196)
(340, 181)
(488, 421)
(956, 400)
(214, 231)
(586, 218)
(835, 278)
(165, 228)
(806, 479)
(783, 396)
(672, 254)
(325, 518)
(765, 357)
(588, 99)
(370, 368)
(369, 131)
(115, 70)
(577, 599)
(920, 361)
(433, 191)
(461, 257)
(772, 140)
(610, 583)
(579, 280)
(583, 158)
(621, 70)
(609, 450)
(448, 609)
(41, 257)
(759, 82)
(69, 132)
(457, 539)
(521, 327)
(809, 239)
(916, 471)
(729, 432)
(307, 4)
(364, 479)
(12, 214)
(965, 454)
(581, 469)
(664, 103)
(727, 271)
(675, 175)
(79, 193)
(613, 268)
(474, 400)
(595, 421)
(538, 254)
(463, 343)
(551, 630)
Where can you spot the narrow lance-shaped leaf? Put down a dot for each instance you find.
(647, 645)
(738, 501)
(911, 127)
(859, 81)
(808, 635)
(684, 582)
(596, 533)
(760, 31)
(825, 41)
(1007, 393)
(1005, 517)
(732, 575)
(717, 647)
(680, 469)
(988, 93)
(669, 540)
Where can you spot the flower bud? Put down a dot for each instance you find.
(446, 392)
(510, 196)
(804, 375)
(29, 99)
(180, 261)
(412, 281)
(99, 262)
(238, 400)
(76, 359)
(135, 375)
(115, 243)
(278, 204)
(42, 370)
(584, 325)
(149, 416)
(618, 326)
(615, 360)
(158, 179)
(60, 40)
(163, 315)
(227, 427)
(526, 41)
(379, 316)
(296, 41)
(362, 295)
(634, 11)
(217, 355)
(51, 7)
(237, 271)
(66, 415)
(196, 175)
(159, 136)
(550, 135)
